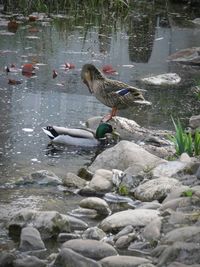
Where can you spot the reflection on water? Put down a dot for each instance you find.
(137, 45)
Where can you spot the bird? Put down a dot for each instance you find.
(112, 93)
(83, 137)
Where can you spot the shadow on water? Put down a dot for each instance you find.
(136, 41)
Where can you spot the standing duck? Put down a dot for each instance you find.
(78, 136)
(112, 93)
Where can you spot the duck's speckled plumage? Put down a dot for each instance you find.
(112, 93)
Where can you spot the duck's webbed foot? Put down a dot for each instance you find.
(108, 117)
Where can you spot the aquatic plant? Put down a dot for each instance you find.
(184, 141)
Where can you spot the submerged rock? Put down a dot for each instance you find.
(94, 233)
(98, 204)
(125, 261)
(29, 261)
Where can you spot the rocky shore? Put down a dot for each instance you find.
(139, 209)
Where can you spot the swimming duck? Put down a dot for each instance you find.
(78, 136)
(112, 93)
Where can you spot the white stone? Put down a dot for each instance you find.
(163, 79)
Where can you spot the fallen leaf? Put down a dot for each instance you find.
(69, 66)
(108, 69)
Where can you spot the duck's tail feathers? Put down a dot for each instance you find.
(50, 131)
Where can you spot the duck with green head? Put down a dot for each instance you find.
(112, 93)
(78, 136)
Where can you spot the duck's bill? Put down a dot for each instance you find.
(115, 135)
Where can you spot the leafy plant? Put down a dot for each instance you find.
(123, 190)
(185, 142)
(187, 193)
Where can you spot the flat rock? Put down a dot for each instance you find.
(163, 79)
(45, 177)
(138, 217)
(187, 56)
(90, 248)
(72, 180)
(125, 261)
(178, 264)
(100, 205)
(123, 155)
(69, 258)
(29, 261)
(168, 169)
(30, 239)
(155, 189)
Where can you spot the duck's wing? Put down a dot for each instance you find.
(117, 86)
(74, 132)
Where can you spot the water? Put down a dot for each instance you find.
(136, 45)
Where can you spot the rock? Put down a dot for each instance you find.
(82, 212)
(182, 218)
(101, 181)
(45, 177)
(90, 248)
(154, 205)
(187, 56)
(178, 264)
(29, 261)
(30, 239)
(122, 156)
(176, 193)
(63, 237)
(125, 231)
(76, 224)
(185, 158)
(163, 79)
(187, 253)
(125, 261)
(186, 203)
(139, 217)
(72, 180)
(152, 231)
(194, 122)
(155, 189)
(93, 233)
(49, 223)
(168, 169)
(6, 259)
(69, 258)
(125, 240)
(196, 21)
(100, 205)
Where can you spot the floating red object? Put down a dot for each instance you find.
(69, 66)
(28, 70)
(13, 26)
(55, 74)
(33, 18)
(108, 69)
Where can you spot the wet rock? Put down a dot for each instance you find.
(68, 257)
(44, 177)
(125, 240)
(49, 223)
(125, 261)
(30, 239)
(163, 79)
(178, 264)
(154, 205)
(152, 231)
(139, 217)
(82, 212)
(185, 203)
(168, 169)
(93, 233)
(186, 56)
(100, 205)
(194, 121)
(90, 248)
(85, 174)
(101, 181)
(187, 253)
(29, 261)
(6, 259)
(125, 231)
(63, 237)
(76, 224)
(118, 199)
(72, 180)
(123, 155)
(155, 189)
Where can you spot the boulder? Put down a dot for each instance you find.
(138, 217)
(90, 248)
(123, 155)
(72, 180)
(125, 261)
(94, 233)
(163, 79)
(29, 261)
(152, 231)
(98, 204)
(6, 259)
(169, 168)
(44, 177)
(30, 239)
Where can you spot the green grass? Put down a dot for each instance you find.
(185, 142)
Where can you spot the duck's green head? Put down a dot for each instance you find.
(103, 129)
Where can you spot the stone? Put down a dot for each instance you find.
(163, 79)
(194, 121)
(76, 224)
(125, 261)
(125, 240)
(125, 231)
(156, 189)
(101, 181)
(30, 239)
(82, 212)
(152, 231)
(63, 237)
(154, 205)
(29, 261)
(6, 259)
(100, 205)
(72, 180)
(187, 56)
(45, 177)
(118, 220)
(94, 233)
(178, 264)
(69, 258)
(179, 203)
(93, 249)
(122, 156)
(169, 169)
(176, 193)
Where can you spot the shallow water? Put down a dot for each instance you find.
(136, 45)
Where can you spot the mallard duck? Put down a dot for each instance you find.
(78, 136)
(112, 93)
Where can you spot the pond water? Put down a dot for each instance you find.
(137, 45)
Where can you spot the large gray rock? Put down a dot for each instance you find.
(76, 224)
(152, 231)
(101, 181)
(139, 217)
(30, 239)
(163, 79)
(98, 204)
(29, 261)
(125, 261)
(94, 233)
(156, 189)
(168, 169)
(178, 264)
(90, 248)
(123, 155)
(69, 258)
(72, 180)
